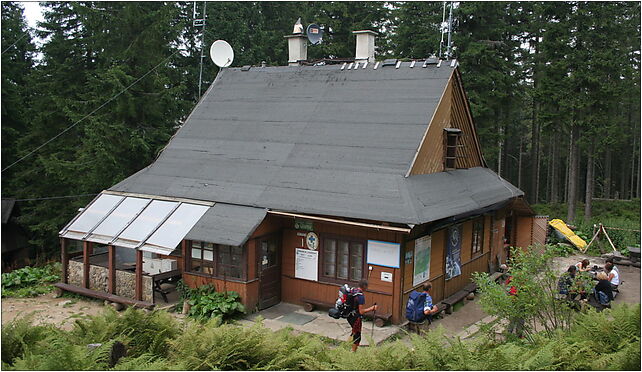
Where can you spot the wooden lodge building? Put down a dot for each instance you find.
(286, 182)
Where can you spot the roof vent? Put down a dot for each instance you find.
(432, 60)
(389, 62)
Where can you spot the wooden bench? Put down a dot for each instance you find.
(495, 276)
(310, 304)
(104, 296)
(452, 300)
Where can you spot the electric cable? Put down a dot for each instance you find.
(91, 113)
(21, 37)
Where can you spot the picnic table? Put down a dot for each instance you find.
(162, 278)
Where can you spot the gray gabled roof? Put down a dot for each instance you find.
(315, 140)
(227, 224)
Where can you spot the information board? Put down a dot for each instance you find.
(421, 270)
(306, 264)
(383, 253)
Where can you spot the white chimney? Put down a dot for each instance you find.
(365, 45)
(297, 48)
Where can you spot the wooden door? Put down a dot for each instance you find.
(269, 263)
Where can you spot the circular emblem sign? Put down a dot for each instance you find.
(312, 241)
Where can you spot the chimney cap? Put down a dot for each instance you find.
(364, 32)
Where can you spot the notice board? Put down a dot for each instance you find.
(306, 264)
(421, 270)
(383, 253)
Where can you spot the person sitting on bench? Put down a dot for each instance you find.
(613, 275)
(603, 293)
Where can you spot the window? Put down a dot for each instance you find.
(451, 143)
(217, 260)
(343, 259)
(203, 258)
(478, 235)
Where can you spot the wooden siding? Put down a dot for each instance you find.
(386, 294)
(523, 231)
(249, 292)
(478, 264)
(540, 229)
(452, 112)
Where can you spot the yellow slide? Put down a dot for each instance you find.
(560, 226)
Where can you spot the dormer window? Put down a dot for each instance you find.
(451, 144)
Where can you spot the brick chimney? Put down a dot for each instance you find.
(365, 45)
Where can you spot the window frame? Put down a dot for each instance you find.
(217, 267)
(477, 238)
(322, 255)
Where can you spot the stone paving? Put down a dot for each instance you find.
(280, 316)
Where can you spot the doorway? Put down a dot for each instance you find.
(269, 263)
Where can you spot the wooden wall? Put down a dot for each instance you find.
(386, 294)
(249, 292)
(452, 112)
(442, 288)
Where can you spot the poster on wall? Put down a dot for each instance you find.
(306, 264)
(383, 253)
(453, 252)
(421, 271)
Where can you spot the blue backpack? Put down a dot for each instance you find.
(602, 298)
(415, 307)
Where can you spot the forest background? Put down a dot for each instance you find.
(554, 89)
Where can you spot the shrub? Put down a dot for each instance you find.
(141, 332)
(206, 303)
(30, 281)
(536, 301)
(18, 334)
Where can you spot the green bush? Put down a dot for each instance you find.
(206, 303)
(141, 332)
(18, 335)
(30, 281)
(593, 341)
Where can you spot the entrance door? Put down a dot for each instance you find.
(270, 272)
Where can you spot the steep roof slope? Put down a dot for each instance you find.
(317, 140)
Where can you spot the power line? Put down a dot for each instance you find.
(21, 37)
(56, 197)
(91, 113)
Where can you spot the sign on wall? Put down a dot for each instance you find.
(306, 264)
(453, 252)
(383, 253)
(421, 271)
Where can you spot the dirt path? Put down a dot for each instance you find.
(61, 312)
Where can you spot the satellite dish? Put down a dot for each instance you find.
(314, 33)
(221, 53)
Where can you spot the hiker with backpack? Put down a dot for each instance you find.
(356, 315)
(420, 307)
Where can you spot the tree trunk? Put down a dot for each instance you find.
(554, 169)
(607, 174)
(572, 175)
(588, 199)
(535, 128)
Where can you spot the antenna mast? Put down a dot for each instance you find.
(443, 29)
(450, 32)
(200, 22)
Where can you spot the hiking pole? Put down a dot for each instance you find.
(374, 316)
